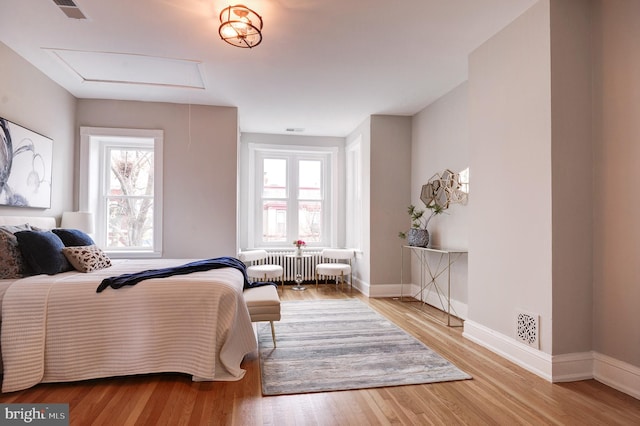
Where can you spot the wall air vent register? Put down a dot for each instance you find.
(69, 8)
(527, 329)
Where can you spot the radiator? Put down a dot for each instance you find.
(307, 264)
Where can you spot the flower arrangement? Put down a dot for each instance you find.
(299, 243)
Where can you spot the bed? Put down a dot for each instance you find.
(57, 328)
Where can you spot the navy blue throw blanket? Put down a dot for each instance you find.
(187, 268)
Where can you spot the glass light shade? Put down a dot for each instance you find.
(78, 220)
(240, 26)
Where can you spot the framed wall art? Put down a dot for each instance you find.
(25, 167)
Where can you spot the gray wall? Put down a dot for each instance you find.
(386, 178)
(510, 158)
(30, 99)
(572, 172)
(200, 169)
(616, 204)
(390, 181)
(440, 140)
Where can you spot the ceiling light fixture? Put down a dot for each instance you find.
(240, 26)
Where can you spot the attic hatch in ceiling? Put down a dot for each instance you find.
(127, 68)
(69, 8)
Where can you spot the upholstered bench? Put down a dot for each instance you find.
(264, 305)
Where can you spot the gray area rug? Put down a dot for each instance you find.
(330, 345)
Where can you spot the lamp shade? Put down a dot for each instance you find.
(78, 220)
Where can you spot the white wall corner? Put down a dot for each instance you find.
(530, 359)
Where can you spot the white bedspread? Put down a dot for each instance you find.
(58, 329)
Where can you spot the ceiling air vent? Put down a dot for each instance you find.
(69, 8)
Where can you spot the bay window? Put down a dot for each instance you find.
(293, 196)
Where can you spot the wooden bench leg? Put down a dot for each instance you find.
(273, 333)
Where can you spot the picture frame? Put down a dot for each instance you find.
(26, 159)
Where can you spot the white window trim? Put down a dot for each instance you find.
(354, 236)
(331, 182)
(90, 179)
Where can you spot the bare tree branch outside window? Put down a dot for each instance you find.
(130, 199)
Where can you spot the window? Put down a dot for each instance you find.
(293, 191)
(121, 183)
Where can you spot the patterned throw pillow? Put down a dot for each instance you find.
(87, 258)
(12, 264)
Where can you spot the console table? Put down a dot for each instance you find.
(444, 258)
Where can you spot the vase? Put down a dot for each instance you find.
(298, 251)
(418, 237)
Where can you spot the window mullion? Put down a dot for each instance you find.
(292, 197)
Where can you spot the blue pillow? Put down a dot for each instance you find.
(73, 237)
(42, 251)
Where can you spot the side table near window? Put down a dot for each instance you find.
(298, 270)
(429, 274)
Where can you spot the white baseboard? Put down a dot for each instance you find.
(572, 367)
(530, 359)
(361, 286)
(558, 368)
(617, 374)
(384, 290)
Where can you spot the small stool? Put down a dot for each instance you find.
(264, 305)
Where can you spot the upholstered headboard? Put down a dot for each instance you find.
(44, 222)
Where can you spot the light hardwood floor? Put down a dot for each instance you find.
(500, 393)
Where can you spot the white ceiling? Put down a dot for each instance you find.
(323, 65)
